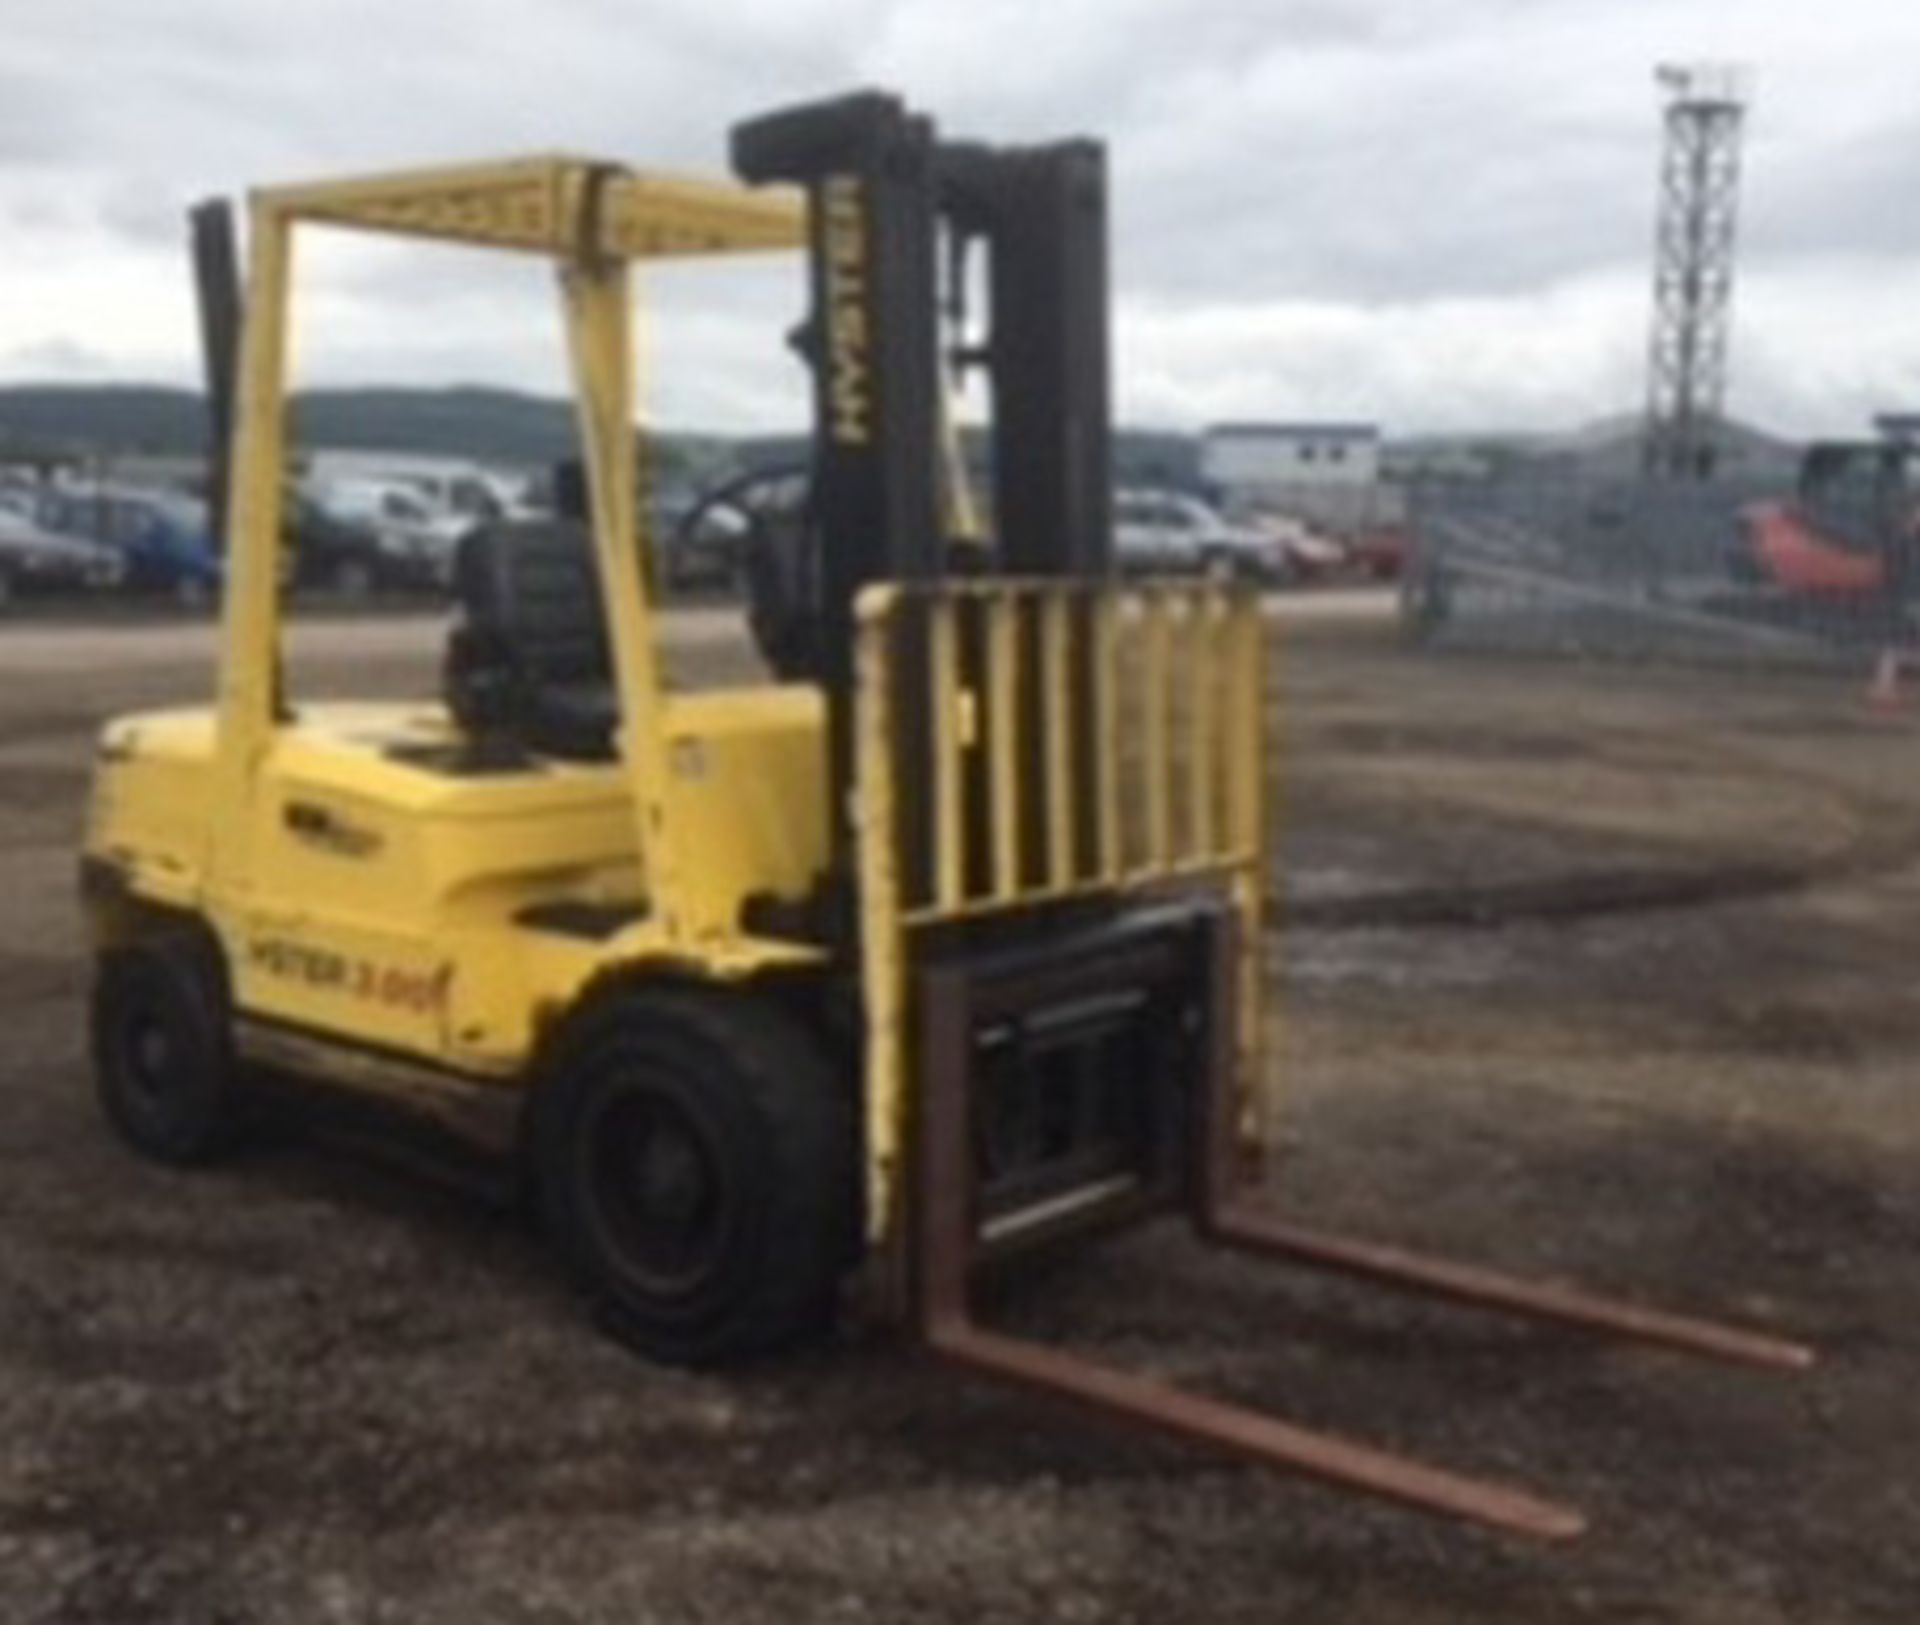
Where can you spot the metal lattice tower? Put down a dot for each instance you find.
(1705, 108)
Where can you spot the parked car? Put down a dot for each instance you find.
(417, 539)
(1171, 532)
(1781, 545)
(161, 536)
(340, 555)
(471, 491)
(1849, 532)
(1380, 552)
(476, 496)
(34, 559)
(1311, 555)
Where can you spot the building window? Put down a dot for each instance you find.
(1336, 453)
(1308, 451)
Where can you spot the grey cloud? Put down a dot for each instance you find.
(36, 118)
(1368, 203)
(1857, 192)
(142, 210)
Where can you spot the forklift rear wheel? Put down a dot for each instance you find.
(162, 1064)
(695, 1159)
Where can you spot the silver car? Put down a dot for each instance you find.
(1170, 532)
(35, 559)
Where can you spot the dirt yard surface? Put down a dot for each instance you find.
(303, 1386)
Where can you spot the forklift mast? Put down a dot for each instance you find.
(1040, 214)
(894, 219)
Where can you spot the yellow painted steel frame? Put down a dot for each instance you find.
(1172, 669)
(594, 219)
(1177, 800)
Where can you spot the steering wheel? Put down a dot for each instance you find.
(771, 510)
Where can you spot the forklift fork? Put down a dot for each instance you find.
(945, 1249)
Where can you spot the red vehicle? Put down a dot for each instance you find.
(1786, 548)
(1852, 518)
(1380, 553)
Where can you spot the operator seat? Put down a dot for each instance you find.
(528, 663)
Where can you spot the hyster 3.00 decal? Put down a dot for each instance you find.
(392, 985)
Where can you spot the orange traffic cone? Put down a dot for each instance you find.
(1883, 693)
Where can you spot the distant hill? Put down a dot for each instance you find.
(100, 417)
(1604, 448)
(1611, 448)
(494, 424)
(1625, 429)
(507, 426)
(491, 424)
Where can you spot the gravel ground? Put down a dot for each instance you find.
(306, 1386)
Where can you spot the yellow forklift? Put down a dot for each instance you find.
(941, 947)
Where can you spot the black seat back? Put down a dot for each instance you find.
(528, 661)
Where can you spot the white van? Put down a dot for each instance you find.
(418, 535)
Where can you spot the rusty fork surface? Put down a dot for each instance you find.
(1480, 1288)
(943, 1256)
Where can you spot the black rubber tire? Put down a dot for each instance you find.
(763, 1132)
(162, 1057)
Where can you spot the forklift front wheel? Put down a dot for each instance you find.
(695, 1158)
(162, 1064)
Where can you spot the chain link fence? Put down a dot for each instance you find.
(1553, 559)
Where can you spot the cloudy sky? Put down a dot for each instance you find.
(1433, 212)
